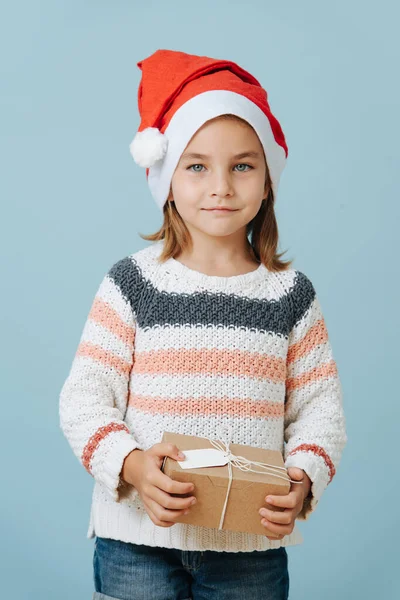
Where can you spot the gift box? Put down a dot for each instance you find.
(229, 495)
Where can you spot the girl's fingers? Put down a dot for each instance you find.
(163, 514)
(288, 501)
(272, 536)
(275, 529)
(276, 516)
(165, 483)
(170, 502)
(155, 520)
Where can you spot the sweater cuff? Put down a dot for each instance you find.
(319, 475)
(112, 465)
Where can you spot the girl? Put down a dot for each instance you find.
(205, 326)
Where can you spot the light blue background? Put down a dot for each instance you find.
(73, 202)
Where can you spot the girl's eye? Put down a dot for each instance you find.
(196, 171)
(243, 165)
(238, 165)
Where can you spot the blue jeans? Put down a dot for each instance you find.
(126, 571)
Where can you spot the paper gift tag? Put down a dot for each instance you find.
(204, 457)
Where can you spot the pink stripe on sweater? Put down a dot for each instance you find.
(223, 362)
(317, 334)
(103, 314)
(239, 407)
(104, 357)
(323, 372)
(320, 452)
(95, 440)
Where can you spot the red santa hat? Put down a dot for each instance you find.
(177, 94)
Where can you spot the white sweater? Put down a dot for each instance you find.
(167, 348)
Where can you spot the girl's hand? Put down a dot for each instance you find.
(142, 469)
(281, 523)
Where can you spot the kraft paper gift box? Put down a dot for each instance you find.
(247, 492)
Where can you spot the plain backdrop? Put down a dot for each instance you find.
(73, 202)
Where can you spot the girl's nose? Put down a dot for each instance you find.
(221, 186)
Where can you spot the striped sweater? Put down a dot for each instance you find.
(167, 348)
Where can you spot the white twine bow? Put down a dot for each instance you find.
(242, 463)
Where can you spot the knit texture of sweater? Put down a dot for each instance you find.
(167, 348)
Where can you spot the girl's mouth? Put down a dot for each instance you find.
(220, 210)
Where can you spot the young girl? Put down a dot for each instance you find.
(205, 326)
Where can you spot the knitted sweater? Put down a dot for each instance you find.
(167, 348)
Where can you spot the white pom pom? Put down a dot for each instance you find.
(148, 146)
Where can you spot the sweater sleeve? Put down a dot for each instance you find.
(314, 422)
(94, 397)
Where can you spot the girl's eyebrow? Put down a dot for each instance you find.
(250, 154)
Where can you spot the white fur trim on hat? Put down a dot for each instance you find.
(191, 116)
(148, 146)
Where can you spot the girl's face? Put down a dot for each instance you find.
(223, 165)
